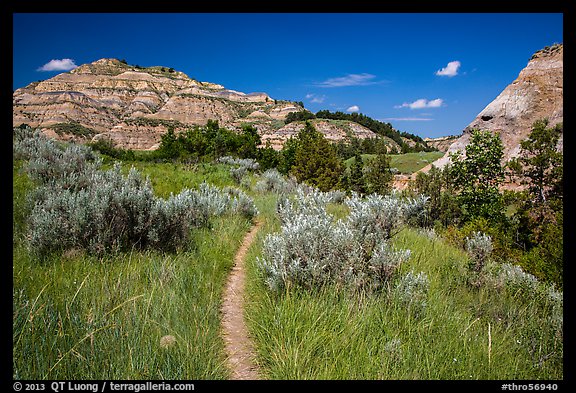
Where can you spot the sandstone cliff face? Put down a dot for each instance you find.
(134, 106)
(536, 93)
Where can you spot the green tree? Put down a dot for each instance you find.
(478, 175)
(298, 116)
(443, 207)
(170, 148)
(378, 176)
(288, 155)
(268, 157)
(541, 162)
(541, 216)
(357, 175)
(249, 142)
(315, 160)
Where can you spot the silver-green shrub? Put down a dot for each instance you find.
(313, 248)
(241, 203)
(50, 162)
(411, 291)
(479, 247)
(77, 205)
(241, 166)
(247, 163)
(273, 181)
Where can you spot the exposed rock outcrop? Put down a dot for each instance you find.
(333, 130)
(134, 106)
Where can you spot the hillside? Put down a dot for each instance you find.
(133, 106)
(536, 93)
(333, 130)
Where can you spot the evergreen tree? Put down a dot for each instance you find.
(542, 163)
(249, 142)
(357, 175)
(315, 160)
(288, 155)
(170, 147)
(268, 157)
(378, 177)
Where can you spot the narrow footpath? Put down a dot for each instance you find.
(239, 347)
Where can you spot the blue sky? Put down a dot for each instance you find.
(429, 74)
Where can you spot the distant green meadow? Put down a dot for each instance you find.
(405, 163)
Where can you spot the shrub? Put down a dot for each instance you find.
(50, 162)
(314, 249)
(247, 163)
(479, 247)
(108, 213)
(274, 181)
(240, 168)
(76, 205)
(412, 292)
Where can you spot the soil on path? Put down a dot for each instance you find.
(239, 347)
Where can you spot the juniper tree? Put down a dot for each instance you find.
(357, 175)
(378, 177)
(315, 160)
(542, 162)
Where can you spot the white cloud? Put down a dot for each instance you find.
(353, 108)
(315, 98)
(349, 80)
(450, 70)
(58, 65)
(422, 103)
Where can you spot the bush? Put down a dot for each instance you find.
(51, 162)
(76, 205)
(314, 249)
(274, 181)
(411, 291)
(479, 247)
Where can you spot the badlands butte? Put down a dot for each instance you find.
(133, 106)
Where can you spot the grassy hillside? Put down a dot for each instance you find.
(405, 163)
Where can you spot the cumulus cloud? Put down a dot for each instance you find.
(58, 65)
(315, 98)
(353, 108)
(422, 103)
(349, 80)
(450, 70)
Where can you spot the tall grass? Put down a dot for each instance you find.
(78, 316)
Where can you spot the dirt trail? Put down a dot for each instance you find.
(239, 347)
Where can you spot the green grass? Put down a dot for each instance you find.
(465, 333)
(81, 317)
(407, 163)
(169, 178)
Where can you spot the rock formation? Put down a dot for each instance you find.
(134, 106)
(333, 130)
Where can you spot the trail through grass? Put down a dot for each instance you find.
(77, 316)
